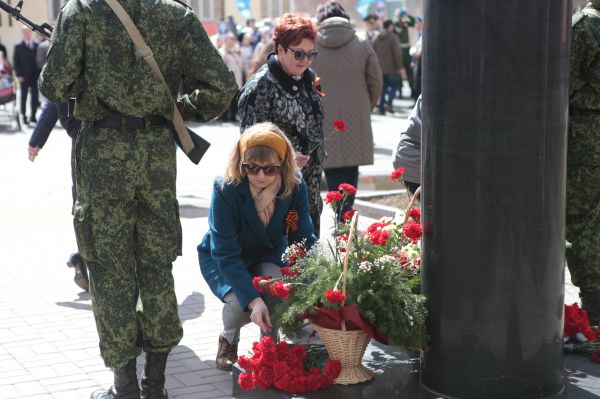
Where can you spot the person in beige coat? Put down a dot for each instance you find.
(351, 79)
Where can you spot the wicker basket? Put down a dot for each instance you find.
(348, 347)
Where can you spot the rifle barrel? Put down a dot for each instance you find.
(14, 12)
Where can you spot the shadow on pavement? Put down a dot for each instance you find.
(191, 308)
(191, 211)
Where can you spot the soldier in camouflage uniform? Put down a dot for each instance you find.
(583, 159)
(126, 216)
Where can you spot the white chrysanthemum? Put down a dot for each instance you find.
(386, 259)
(411, 250)
(399, 218)
(365, 266)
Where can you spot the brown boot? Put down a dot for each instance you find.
(226, 354)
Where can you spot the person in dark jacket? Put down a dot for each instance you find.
(27, 72)
(388, 50)
(408, 151)
(257, 210)
(53, 112)
(352, 88)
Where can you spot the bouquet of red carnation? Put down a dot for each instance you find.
(283, 366)
(579, 336)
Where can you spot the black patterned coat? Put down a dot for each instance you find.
(271, 95)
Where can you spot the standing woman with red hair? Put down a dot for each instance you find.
(283, 92)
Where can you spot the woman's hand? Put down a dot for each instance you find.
(260, 315)
(301, 160)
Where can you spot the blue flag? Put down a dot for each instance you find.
(363, 7)
(243, 7)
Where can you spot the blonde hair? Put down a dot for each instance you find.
(234, 173)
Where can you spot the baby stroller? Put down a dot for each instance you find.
(8, 99)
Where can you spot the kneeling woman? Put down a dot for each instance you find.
(257, 209)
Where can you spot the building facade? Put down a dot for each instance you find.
(209, 12)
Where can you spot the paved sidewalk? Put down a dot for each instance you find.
(48, 340)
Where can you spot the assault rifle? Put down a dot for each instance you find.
(44, 29)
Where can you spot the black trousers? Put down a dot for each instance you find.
(25, 88)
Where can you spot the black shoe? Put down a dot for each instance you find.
(125, 387)
(74, 260)
(33, 120)
(81, 276)
(153, 379)
(81, 279)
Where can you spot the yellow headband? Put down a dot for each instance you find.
(265, 138)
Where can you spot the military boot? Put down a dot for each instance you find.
(125, 386)
(226, 354)
(153, 379)
(590, 301)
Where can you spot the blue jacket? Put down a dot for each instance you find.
(237, 238)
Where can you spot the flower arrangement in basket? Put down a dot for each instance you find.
(354, 287)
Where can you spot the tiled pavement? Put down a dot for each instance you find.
(48, 340)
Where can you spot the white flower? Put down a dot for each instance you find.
(365, 266)
(411, 250)
(386, 259)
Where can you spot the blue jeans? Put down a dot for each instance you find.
(388, 92)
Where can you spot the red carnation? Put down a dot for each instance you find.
(333, 196)
(280, 289)
(246, 381)
(332, 369)
(348, 214)
(397, 174)
(339, 125)
(288, 272)
(415, 214)
(245, 363)
(379, 237)
(335, 296)
(413, 231)
(260, 282)
(347, 188)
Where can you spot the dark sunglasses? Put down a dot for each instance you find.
(269, 170)
(300, 55)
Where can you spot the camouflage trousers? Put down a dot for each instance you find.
(128, 231)
(583, 200)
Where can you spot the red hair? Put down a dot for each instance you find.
(291, 28)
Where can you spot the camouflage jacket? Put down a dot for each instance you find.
(93, 58)
(585, 60)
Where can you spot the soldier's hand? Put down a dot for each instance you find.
(21, 79)
(260, 315)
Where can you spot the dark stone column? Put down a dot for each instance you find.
(495, 109)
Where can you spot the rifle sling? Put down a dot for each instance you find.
(144, 50)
